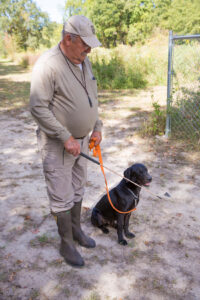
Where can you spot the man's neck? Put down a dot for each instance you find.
(66, 51)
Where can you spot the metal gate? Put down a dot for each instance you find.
(183, 87)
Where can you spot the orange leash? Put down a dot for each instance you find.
(97, 153)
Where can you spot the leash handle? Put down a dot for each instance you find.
(90, 158)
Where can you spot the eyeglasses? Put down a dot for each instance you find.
(83, 43)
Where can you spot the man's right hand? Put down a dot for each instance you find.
(72, 146)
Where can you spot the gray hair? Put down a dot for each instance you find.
(72, 35)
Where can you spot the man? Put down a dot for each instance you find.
(63, 102)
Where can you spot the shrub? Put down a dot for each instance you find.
(115, 75)
(24, 62)
(155, 125)
(126, 67)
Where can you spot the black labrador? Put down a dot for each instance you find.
(125, 196)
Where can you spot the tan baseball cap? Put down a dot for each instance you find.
(82, 26)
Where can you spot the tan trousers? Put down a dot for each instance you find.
(65, 175)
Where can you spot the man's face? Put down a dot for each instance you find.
(79, 50)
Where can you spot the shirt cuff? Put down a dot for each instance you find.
(98, 125)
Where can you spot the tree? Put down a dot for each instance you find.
(130, 21)
(25, 22)
(74, 7)
(181, 16)
(141, 21)
(116, 21)
(110, 19)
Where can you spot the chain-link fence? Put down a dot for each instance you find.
(183, 90)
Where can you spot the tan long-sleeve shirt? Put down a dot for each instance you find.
(58, 101)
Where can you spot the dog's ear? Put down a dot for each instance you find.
(127, 173)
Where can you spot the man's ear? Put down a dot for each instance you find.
(127, 173)
(67, 39)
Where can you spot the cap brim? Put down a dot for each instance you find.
(91, 41)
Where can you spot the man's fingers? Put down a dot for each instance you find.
(72, 146)
(96, 136)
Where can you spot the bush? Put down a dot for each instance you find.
(115, 75)
(155, 125)
(126, 67)
(24, 62)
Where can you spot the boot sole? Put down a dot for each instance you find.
(74, 265)
(71, 263)
(83, 245)
(88, 247)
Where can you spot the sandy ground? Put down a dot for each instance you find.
(161, 262)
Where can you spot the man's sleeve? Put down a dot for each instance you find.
(42, 90)
(98, 125)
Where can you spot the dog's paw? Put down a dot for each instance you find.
(123, 242)
(105, 230)
(130, 235)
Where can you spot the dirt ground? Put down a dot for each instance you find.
(161, 262)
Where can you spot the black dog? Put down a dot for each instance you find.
(125, 196)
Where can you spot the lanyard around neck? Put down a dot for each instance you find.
(84, 86)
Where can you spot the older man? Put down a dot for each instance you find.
(63, 102)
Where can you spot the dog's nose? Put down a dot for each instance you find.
(149, 178)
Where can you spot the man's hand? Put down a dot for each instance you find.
(72, 146)
(96, 135)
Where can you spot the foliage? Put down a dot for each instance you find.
(181, 16)
(115, 75)
(24, 62)
(116, 21)
(130, 67)
(128, 21)
(25, 23)
(110, 19)
(74, 7)
(155, 125)
(185, 115)
(141, 22)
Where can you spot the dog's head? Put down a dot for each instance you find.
(138, 173)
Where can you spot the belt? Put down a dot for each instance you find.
(80, 138)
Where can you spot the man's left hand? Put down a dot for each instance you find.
(96, 135)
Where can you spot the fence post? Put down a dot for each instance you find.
(169, 84)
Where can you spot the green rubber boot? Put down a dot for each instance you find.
(67, 248)
(77, 232)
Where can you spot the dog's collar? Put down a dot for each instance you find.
(136, 198)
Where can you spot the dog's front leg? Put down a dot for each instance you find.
(127, 233)
(120, 226)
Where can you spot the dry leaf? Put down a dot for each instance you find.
(11, 277)
(35, 231)
(8, 255)
(19, 261)
(179, 215)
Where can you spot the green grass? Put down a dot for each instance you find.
(7, 67)
(42, 241)
(13, 94)
(93, 296)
